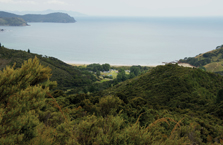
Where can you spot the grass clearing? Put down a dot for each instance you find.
(113, 73)
(214, 67)
(104, 80)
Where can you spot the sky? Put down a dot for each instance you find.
(121, 7)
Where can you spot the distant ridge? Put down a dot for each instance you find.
(52, 17)
(48, 11)
(13, 21)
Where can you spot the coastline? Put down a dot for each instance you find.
(113, 65)
(123, 65)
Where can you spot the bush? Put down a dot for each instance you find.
(219, 96)
(22, 94)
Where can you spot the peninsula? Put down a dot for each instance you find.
(14, 21)
(10, 19)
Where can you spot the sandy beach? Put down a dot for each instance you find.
(113, 65)
(121, 65)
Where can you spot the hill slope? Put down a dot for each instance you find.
(212, 61)
(65, 75)
(12, 22)
(172, 86)
(53, 17)
(192, 96)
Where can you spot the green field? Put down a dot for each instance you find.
(214, 67)
(113, 73)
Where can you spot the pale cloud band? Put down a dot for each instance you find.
(57, 2)
(17, 1)
(121, 7)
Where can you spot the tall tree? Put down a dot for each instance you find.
(121, 75)
(106, 66)
(135, 70)
(98, 73)
(22, 94)
(219, 96)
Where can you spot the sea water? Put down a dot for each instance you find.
(118, 40)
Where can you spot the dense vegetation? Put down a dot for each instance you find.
(73, 80)
(97, 67)
(191, 96)
(172, 86)
(67, 76)
(53, 17)
(167, 105)
(134, 71)
(122, 73)
(12, 22)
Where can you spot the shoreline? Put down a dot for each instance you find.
(124, 65)
(112, 65)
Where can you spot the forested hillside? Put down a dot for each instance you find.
(172, 86)
(191, 97)
(66, 75)
(167, 105)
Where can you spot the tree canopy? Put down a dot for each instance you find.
(22, 94)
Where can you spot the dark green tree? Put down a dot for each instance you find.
(219, 96)
(92, 88)
(94, 67)
(98, 73)
(121, 75)
(106, 66)
(132, 75)
(202, 68)
(85, 90)
(28, 51)
(121, 70)
(135, 70)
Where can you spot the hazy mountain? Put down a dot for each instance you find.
(52, 17)
(14, 21)
(71, 13)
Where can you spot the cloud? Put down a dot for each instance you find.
(57, 2)
(27, 2)
(6, 1)
(157, 4)
(17, 2)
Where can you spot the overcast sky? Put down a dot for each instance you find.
(121, 7)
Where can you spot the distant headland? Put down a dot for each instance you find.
(10, 19)
(14, 21)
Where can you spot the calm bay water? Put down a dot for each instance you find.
(118, 40)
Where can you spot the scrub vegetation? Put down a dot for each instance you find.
(166, 105)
